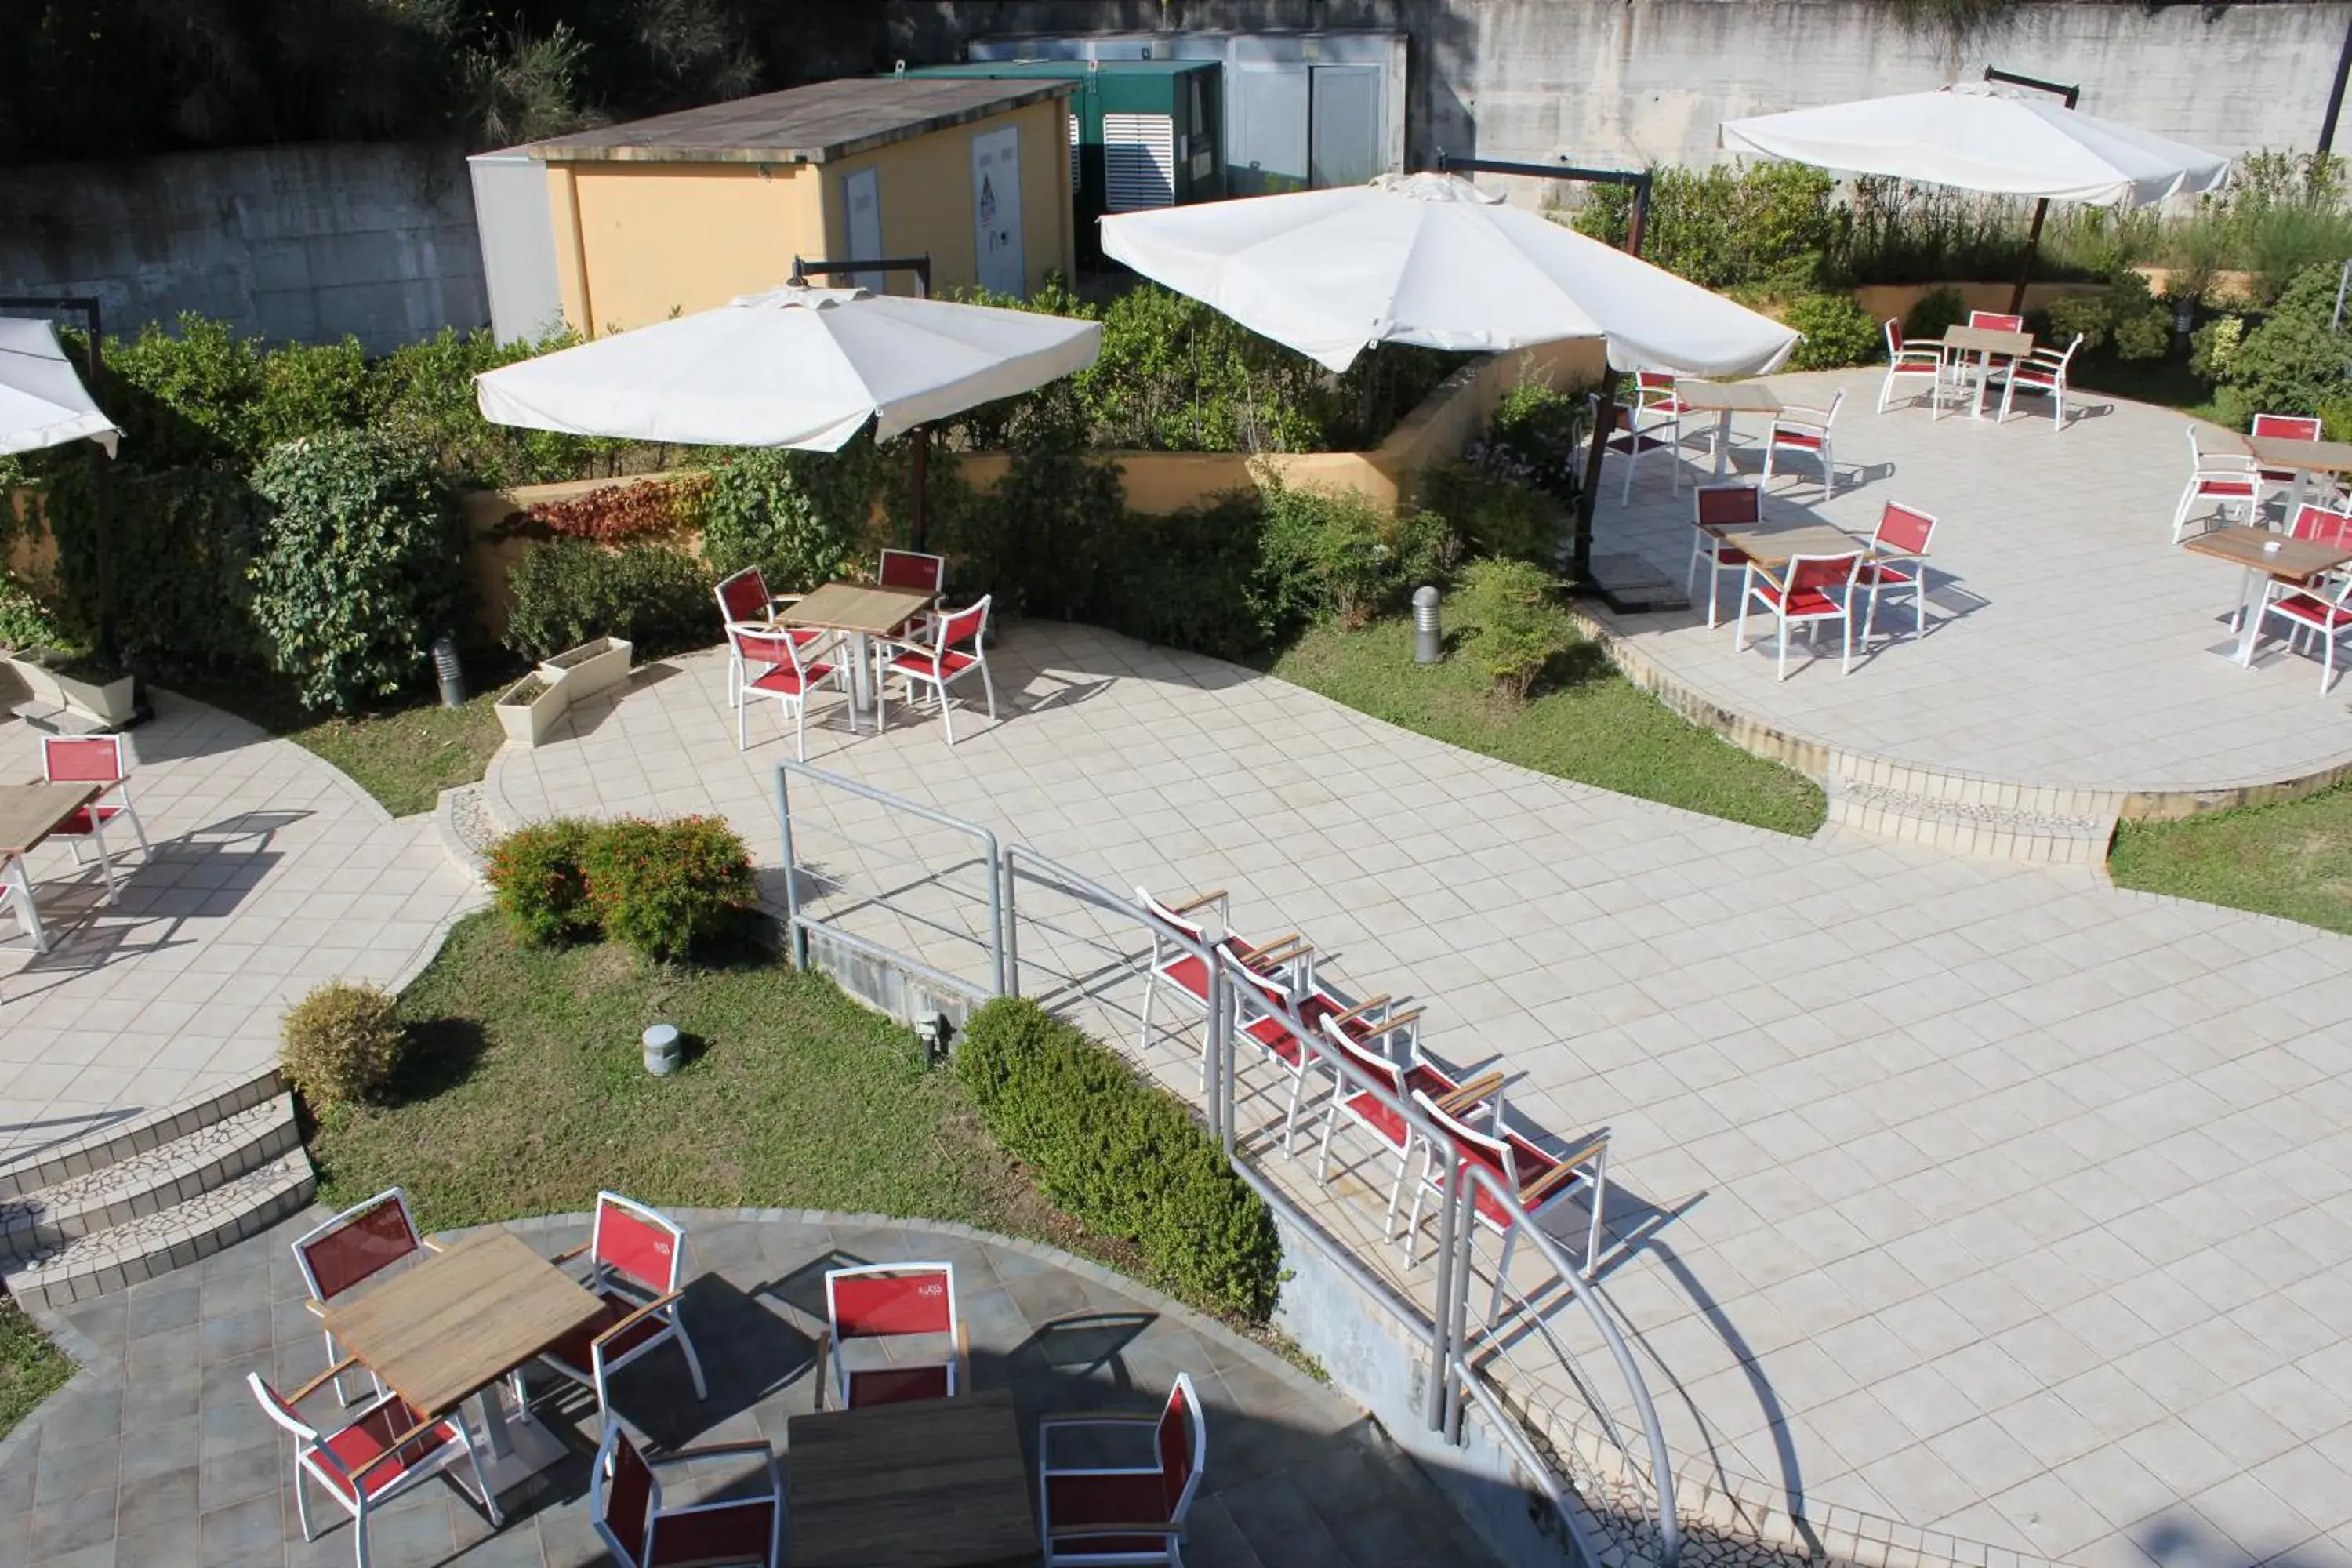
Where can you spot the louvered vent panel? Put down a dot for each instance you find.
(1138, 162)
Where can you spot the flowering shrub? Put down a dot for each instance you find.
(646, 508)
(659, 888)
(534, 873)
(341, 1044)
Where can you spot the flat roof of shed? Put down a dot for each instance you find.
(804, 124)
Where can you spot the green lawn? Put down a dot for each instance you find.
(403, 755)
(525, 1092)
(2292, 859)
(31, 1369)
(1586, 722)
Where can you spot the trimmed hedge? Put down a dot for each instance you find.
(657, 888)
(1120, 1156)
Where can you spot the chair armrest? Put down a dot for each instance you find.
(1568, 1170)
(315, 1307)
(1198, 901)
(568, 1254)
(1081, 1531)
(714, 1451)
(433, 1244)
(1074, 1420)
(347, 1364)
(1766, 573)
(1341, 1020)
(1464, 1096)
(397, 1443)
(1375, 1027)
(1289, 946)
(640, 1315)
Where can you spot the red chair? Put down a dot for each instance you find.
(636, 1266)
(1812, 589)
(2316, 608)
(1898, 559)
(1719, 506)
(867, 1308)
(787, 675)
(746, 605)
(1126, 1514)
(2285, 427)
(1272, 1014)
(957, 648)
(1538, 1181)
(103, 760)
(1172, 966)
(388, 1448)
(2226, 480)
(919, 574)
(1655, 408)
(1996, 321)
(2043, 375)
(1399, 1070)
(625, 1504)
(353, 1248)
(2324, 525)
(1910, 359)
(1805, 433)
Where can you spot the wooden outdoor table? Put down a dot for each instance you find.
(457, 1323)
(1772, 545)
(2266, 555)
(29, 813)
(860, 610)
(2304, 458)
(931, 1483)
(1985, 343)
(1723, 399)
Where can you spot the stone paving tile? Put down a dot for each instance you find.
(113, 1471)
(272, 872)
(2068, 641)
(1935, 1180)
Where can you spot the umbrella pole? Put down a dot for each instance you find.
(1604, 415)
(2032, 249)
(920, 460)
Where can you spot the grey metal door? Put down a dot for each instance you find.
(1347, 144)
(1266, 122)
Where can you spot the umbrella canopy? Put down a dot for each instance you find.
(1431, 259)
(42, 401)
(790, 367)
(1981, 136)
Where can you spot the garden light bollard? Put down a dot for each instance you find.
(450, 673)
(1428, 645)
(661, 1050)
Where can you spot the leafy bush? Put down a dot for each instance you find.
(802, 518)
(361, 567)
(536, 877)
(1769, 224)
(1120, 1156)
(2294, 363)
(612, 514)
(1491, 514)
(341, 1044)
(1838, 332)
(2213, 347)
(2123, 317)
(659, 888)
(424, 395)
(1537, 436)
(1933, 312)
(1188, 580)
(1324, 554)
(1038, 540)
(1516, 627)
(23, 622)
(568, 591)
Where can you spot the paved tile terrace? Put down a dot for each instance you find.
(1985, 1198)
(272, 873)
(157, 1454)
(2069, 641)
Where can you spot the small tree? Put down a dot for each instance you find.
(361, 568)
(1518, 628)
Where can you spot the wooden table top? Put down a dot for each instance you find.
(460, 1320)
(2292, 561)
(1986, 341)
(2310, 457)
(1771, 544)
(31, 812)
(931, 1483)
(858, 607)
(1729, 396)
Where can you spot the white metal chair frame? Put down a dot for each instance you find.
(1898, 559)
(1280, 1020)
(1805, 431)
(1581, 1170)
(1775, 593)
(112, 801)
(957, 1366)
(2043, 373)
(907, 660)
(784, 677)
(1712, 505)
(1657, 407)
(336, 1225)
(731, 620)
(1290, 955)
(1394, 1071)
(316, 1460)
(649, 1301)
(1170, 1531)
(1925, 358)
(640, 1553)
(2226, 479)
(2318, 609)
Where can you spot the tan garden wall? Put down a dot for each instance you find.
(1879, 300)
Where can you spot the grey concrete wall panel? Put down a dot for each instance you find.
(516, 236)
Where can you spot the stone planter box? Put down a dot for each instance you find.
(528, 708)
(108, 704)
(593, 668)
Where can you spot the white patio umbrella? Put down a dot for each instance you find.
(794, 366)
(42, 401)
(1985, 136)
(1431, 259)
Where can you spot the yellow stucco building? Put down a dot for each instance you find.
(685, 210)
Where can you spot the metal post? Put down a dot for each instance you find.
(1441, 1316)
(1428, 642)
(920, 462)
(1458, 1335)
(795, 940)
(2335, 94)
(1604, 418)
(1638, 221)
(1009, 981)
(997, 923)
(1220, 1006)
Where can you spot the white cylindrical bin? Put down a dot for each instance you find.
(661, 1050)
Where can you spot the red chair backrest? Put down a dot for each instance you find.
(1893, 337)
(919, 1300)
(964, 625)
(2286, 427)
(1176, 1443)
(2321, 525)
(82, 759)
(1491, 1154)
(629, 1496)
(1996, 321)
(911, 569)
(744, 596)
(1819, 574)
(637, 1244)
(1192, 931)
(355, 1246)
(766, 647)
(1719, 506)
(1904, 530)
